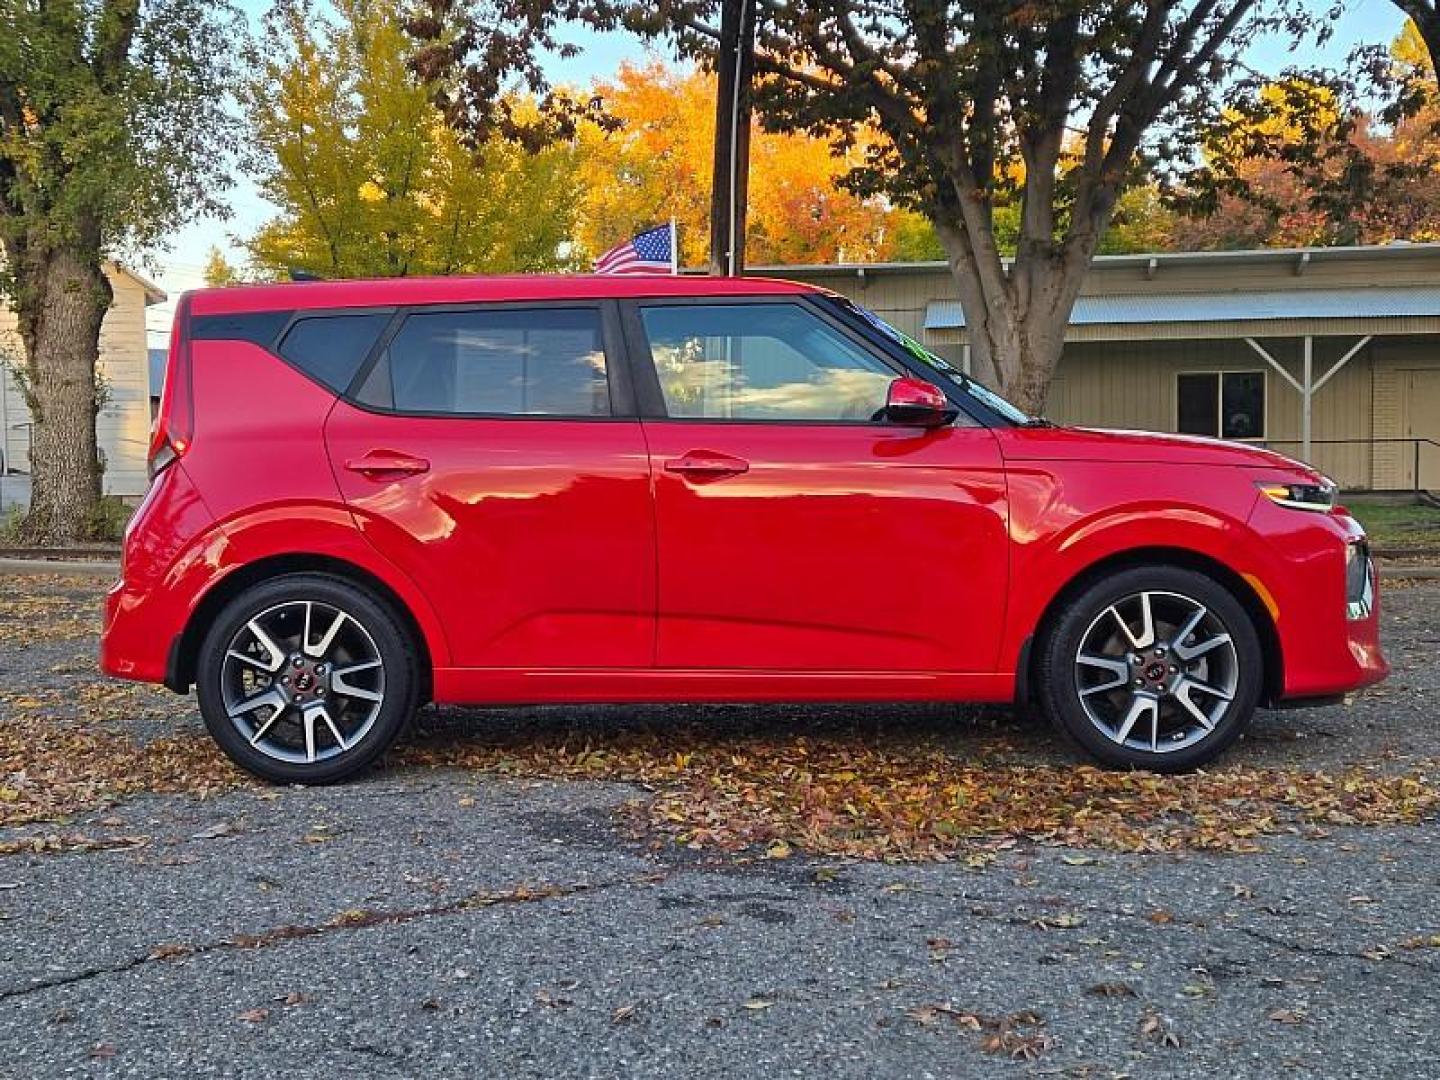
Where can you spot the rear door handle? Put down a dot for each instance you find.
(707, 463)
(377, 463)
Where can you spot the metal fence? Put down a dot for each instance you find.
(1416, 465)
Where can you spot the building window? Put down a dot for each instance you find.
(1223, 404)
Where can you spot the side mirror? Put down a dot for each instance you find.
(917, 403)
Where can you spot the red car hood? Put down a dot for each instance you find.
(1093, 444)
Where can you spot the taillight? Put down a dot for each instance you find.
(174, 426)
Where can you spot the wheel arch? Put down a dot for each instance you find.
(185, 649)
(1243, 589)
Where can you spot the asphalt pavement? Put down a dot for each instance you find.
(439, 923)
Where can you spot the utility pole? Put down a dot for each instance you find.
(731, 175)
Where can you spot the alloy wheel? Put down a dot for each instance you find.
(303, 681)
(1156, 672)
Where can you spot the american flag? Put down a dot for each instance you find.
(651, 252)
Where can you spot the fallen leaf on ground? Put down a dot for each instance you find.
(1111, 990)
(1065, 921)
(1154, 1028)
(169, 952)
(890, 792)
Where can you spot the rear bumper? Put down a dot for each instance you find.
(146, 610)
(127, 648)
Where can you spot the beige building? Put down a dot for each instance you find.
(123, 426)
(1209, 342)
(1240, 344)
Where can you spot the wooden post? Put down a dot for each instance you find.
(731, 171)
(1307, 396)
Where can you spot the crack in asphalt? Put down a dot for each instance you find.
(1325, 950)
(356, 919)
(1034, 915)
(1005, 910)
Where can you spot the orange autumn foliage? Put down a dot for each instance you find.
(657, 166)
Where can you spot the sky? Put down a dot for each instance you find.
(181, 266)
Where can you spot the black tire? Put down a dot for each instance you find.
(1058, 669)
(399, 671)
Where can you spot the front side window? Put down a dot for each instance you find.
(530, 362)
(761, 362)
(1223, 404)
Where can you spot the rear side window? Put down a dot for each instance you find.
(331, 348)
(514, 362)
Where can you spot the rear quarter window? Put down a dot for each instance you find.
(331, 348)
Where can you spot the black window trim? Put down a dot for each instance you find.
(630, 372)
(246, 326)
(650, 399)
(622, 400)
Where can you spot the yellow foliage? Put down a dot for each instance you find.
(1409, 51)
(369, 179)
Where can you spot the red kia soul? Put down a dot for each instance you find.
(370, 495)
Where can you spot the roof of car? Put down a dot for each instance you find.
(396, 292)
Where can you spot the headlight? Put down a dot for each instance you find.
(1317, 497)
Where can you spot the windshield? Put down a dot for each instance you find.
(981, 393)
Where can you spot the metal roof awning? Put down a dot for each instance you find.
(1365, 302)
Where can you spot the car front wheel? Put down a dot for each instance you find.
(306, 678)
(1152, 668)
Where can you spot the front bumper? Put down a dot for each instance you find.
(1327, 617)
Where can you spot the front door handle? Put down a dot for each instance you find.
(707, 463)
(378, 463)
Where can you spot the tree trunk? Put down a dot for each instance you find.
(1014, 346)
(62, 300)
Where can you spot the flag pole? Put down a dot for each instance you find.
(674, 248)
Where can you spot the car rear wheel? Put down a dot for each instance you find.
(1152, 667)
(306, 678)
